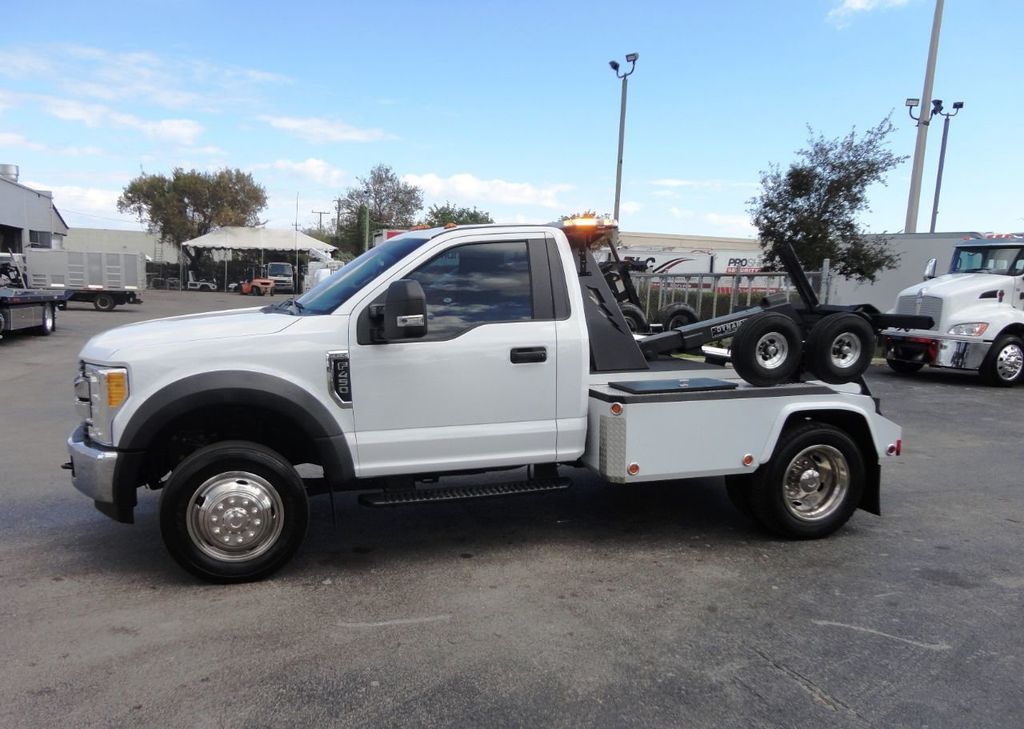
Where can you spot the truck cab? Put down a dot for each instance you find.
(282, 274)
(445, 351)
(978, 312)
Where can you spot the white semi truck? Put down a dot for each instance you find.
(978, 313)
(465, 350)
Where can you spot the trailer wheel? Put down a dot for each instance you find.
(234, 511)
(1004, 363)
(766, 349)
(904, 368)
(104, 302)
(636, 320)
(49, 322)
(839, 347)
(812, 484)
(677, 315)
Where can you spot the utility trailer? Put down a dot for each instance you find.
(107, 280)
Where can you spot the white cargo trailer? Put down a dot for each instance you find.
(105, 279)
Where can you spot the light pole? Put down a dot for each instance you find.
(957, 106)
(922, 125)
(631, 59)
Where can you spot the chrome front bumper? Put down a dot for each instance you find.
(92, 467)
(960, 354)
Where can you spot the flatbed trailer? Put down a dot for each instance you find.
(28, 309)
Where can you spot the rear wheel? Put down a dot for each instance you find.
(49, 322)
(766, 349)
(904, 368)
(234, 511)
(104, 302)
(636, 320)
(1004, 363)
(839, 348)
(812, 485)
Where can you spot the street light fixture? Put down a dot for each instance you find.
(937, 109)
(631, 59)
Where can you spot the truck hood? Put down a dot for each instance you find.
(230, 324)
(961, 285)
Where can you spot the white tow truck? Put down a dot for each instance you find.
(978, 313)
(453, 351)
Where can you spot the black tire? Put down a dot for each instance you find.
(257, 291)
(904, 368)
(738, 489)
(226, 474)
(839, 348)
(810, 455)
(677, 315)
(104, 302)
(636, 320)
(766, 349)
(49, 325)
(1004, 363)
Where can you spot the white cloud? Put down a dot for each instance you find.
(317, 170)
(469, 188)
(839, 14)
(630, 207)
(680, 213)
(315, 129)
(731, 224)
(94, 206)
(178, 131)
(18, 141)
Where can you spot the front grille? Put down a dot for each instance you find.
(930, 306)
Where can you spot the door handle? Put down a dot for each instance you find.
(525, 355)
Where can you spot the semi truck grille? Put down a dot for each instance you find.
(930, 306)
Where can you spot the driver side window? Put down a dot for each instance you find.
(475, 284)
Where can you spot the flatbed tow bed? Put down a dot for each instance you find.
(32, 309)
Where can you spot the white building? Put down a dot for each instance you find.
(27, 217)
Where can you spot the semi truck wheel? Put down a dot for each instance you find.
(839, 348)
(677, 315)
(49, 322)
(766, 349)
(904, 368)
(812, 484)
(1004, 363)
(636, 320)
(234, 511)
(104, 302)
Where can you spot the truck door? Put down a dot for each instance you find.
(1018, 280)
(478, 391)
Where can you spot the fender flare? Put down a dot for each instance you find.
(224, 388)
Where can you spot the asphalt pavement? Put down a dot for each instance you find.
(603, 606)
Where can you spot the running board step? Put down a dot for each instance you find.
(422, 496)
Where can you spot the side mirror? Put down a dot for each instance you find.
(929, 269)
(405, 311)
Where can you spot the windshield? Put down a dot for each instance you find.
(279, 269)
(328, 295)
(1008, 261)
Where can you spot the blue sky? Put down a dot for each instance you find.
(509, 107)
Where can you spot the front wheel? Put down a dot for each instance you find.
(812, 484)
(234, 511)
(1004, 363)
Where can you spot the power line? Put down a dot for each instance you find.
(320, 221)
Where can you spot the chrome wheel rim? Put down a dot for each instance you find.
(1010, 361)
(235, 516)
(772, 350)
(816, 482)
(845, 350)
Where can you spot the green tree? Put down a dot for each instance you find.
(448, 213)
(189, 204)
(389, 202)
(815, 203)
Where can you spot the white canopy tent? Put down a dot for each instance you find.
(238, 238)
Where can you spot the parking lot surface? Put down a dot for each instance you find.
(599, 607)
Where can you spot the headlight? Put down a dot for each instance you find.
(107, 392)
(974, 329)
